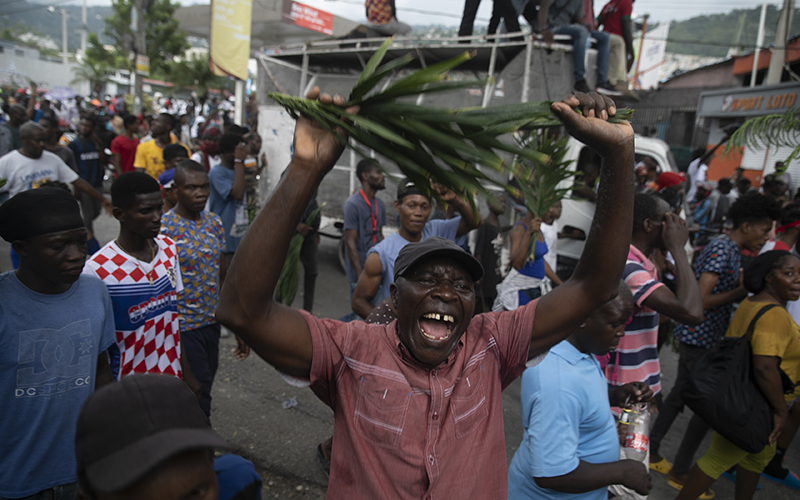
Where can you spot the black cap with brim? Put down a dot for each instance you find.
(127, 465)
(127, 429)
(435, 247)
(39, 211)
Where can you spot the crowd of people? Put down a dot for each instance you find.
(95, 340)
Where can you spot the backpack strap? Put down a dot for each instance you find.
(758, 315)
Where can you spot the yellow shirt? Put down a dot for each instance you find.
(775, 334)
(150, 157)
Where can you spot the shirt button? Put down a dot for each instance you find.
(435, 416)
(430, 459)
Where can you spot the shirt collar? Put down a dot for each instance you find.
(635, 254)
(568, 352)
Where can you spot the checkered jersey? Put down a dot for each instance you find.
(145, 315)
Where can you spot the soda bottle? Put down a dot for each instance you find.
(637, 438)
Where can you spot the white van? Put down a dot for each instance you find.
(579, 213)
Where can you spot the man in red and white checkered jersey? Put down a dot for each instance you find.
(417, 403)
(140, 269)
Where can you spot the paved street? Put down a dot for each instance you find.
(249, 400)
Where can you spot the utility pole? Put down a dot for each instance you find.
(779, 49)
(759, 43)
(84, 28)
(64, 49)
(139, 48)
(65, 52)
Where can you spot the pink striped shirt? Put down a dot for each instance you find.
(636, 358)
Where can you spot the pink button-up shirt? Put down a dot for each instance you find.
(402, 431)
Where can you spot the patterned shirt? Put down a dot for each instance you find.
(721, 256)
(636, 357)
(200, 244)
(419, 432)
(144, 296)
(379, 11)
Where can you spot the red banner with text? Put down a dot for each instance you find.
(307, 17)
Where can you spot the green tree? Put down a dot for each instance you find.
(97, 65)
(163, 39)
(195, 73)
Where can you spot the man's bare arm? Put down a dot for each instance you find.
(685, 305)
(708, 281)
(87, 188)
(469, 219)
(369, 281)
(596, 277)
(350, 236)
(278, 333)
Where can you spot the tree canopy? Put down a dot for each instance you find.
(163, 39)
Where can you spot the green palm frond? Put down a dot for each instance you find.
(445, 144)
(779, 130)
(542, 185)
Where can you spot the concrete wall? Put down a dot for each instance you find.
(15, 70)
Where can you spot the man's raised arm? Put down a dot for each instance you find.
(596, 277)
(278, 333)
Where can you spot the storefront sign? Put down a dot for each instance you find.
(749, 102)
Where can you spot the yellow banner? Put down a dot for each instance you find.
(230, 37)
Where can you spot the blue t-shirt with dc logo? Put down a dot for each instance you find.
(49, 346)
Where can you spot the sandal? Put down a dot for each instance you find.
(662, 466)
(707, 495)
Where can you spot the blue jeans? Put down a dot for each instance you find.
(579, 36)
(62, 492)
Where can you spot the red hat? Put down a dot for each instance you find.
(669, 179)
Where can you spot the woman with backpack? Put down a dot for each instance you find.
(774, 279)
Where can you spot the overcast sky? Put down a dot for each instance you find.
(449, 11)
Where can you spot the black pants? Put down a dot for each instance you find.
(673, 405)
(504, 9)
(308, 257)
(201, 348)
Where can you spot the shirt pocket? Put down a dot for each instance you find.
(468, 403)
(381, 410)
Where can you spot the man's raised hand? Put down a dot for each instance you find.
(592, 128)
(315, 147)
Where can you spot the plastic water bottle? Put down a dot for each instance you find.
(637, 438)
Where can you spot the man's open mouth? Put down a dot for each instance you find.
(436, 326)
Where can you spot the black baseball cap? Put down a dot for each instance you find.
(127, 428)
(435, 247)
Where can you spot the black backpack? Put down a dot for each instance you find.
(724, 393)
